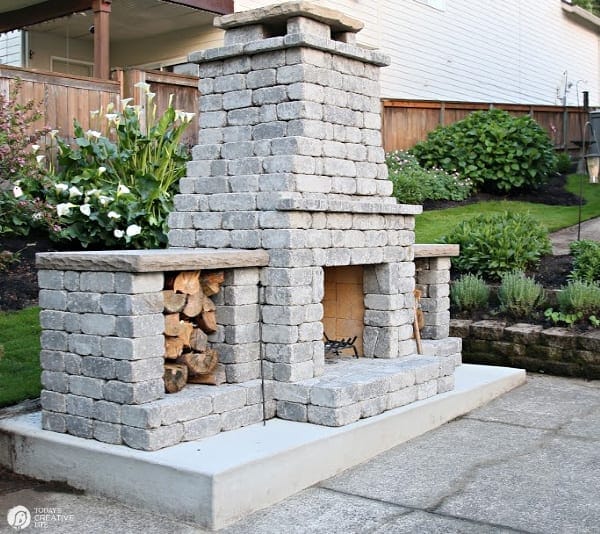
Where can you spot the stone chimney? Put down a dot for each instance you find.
(290, 160)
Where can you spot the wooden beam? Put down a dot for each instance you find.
(101, 38)
(51, 9)
(220, 7)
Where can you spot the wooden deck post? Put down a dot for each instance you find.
(101, 10)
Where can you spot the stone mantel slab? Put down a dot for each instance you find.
(279, 14)
(436, 251)
(143, 261)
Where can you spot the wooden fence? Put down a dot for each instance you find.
(60, 98)
(406, 122)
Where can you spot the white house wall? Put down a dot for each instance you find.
(514, 51)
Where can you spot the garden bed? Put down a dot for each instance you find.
(554, 350)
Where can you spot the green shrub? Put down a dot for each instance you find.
(114, 188)
(586, 261)
(493, 244)
(413, 184)
(579, 297)
(496, 151)
(563, 163)
(519, 295)
(469, 293)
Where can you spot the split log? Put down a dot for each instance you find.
(214, 378)
(211, 282)
(175, 377)
(198, 340)
(207, 321)
(173, 347)
(199, 362)
(187, 282)
(185, 332)
(172, 324)
(194, 304)
(174, 302)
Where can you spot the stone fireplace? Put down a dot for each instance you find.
(288, 193)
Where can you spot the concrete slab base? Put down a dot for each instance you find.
(218, 480)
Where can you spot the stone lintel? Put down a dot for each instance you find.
(348, 206)
(436, 251)
(144, 261)
(278, 15)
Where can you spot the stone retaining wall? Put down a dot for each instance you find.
(558, 351)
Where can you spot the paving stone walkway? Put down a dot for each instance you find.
(527, 462)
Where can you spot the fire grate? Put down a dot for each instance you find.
(335, 346)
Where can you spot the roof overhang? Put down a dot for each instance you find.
(582, 16)
(17, 14)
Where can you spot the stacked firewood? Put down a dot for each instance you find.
(189, 319)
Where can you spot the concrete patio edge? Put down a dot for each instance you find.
(216, 481)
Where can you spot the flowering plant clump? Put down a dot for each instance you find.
(414, 184)
(21, 166)
(114, 186)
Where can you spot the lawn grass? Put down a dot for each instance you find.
(433, 224)
(20, 356)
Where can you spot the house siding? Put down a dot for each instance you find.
(514, 51)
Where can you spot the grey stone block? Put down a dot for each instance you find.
(242, 372)
(229, 398)
(213, 238)
(289, 353)
(133, 349)
(53, 421)
(246, 333)
(154, 439)
(55, 381)
(107, 432)
(133, 393)
(50, 279)
(97, 324)
(85, 345)
(321, 415)
(427, 389)
(52, 299)
(445, 383)
(134, 326)
(310, 331)
(52, 360)
(292, 411)
(374, 406)
(81, 406)
(239, 353)
(109, 412)
(401, 397)
(293, 372)
(237, 99)
(137, 304)
(71, 280)
(79, 426)
(83, 302)
(73, 363)
(86, 386)
(52, 319)
(96, 367)
(53, 401)
(243, 117)
(237, 315)
(142, 416)
(241, 417)
(261, 78)
(139, 370)
(289, 296)
(99, 282)
(210, 102)
(191, 404)
(139, 282)
(201, 428)
(278, 333)
(335, 395)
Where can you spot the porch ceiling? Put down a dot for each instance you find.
(130, 19)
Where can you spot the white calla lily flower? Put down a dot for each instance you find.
(17, 191)
(86, 209)
(118, 233)
(133, 229)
